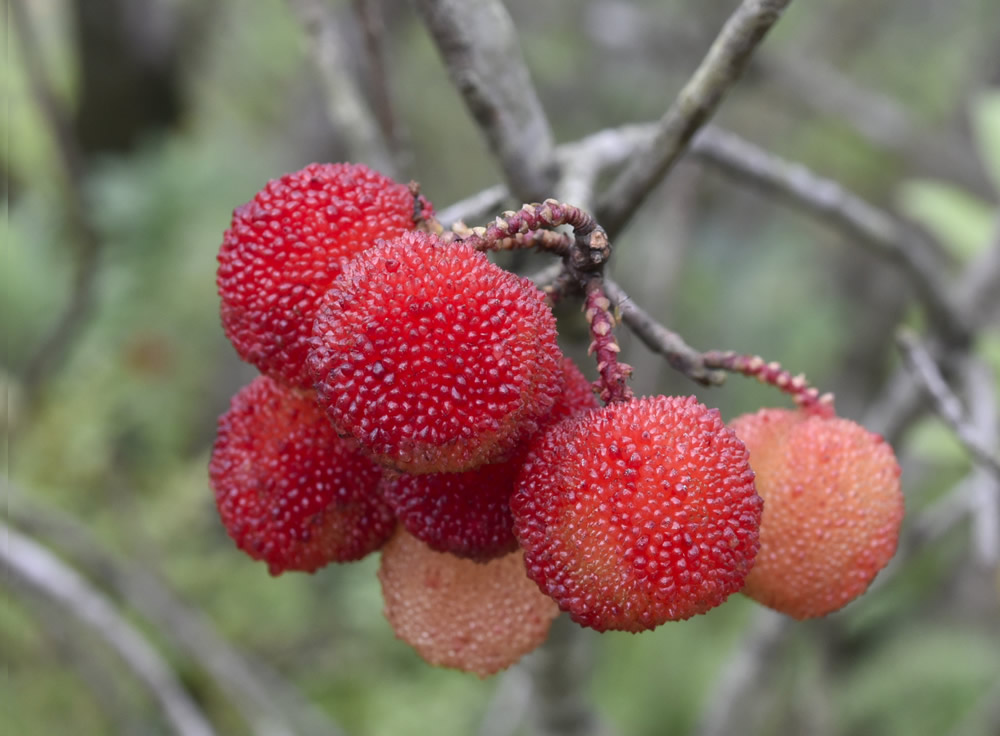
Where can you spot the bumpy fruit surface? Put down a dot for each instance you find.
(638, 513)
(433, 358)
(457, 613)
(289, 490)
(833, 508)
(286, 246)
(468, 514)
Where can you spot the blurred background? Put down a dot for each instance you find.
(133, 129)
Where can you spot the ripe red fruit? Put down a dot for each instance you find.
(468, 514)
(638, 513)
(286, 246)
(288, 489)
(433, 358)
(479, 618)
(833, 508)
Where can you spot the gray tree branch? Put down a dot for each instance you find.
(271, 706)
(479, 205)
(832, 203)
(658, 338)
(560, 670)
(984, 415)
(947, 404)
(346, 107)
(805, 81)
(479, 45)
(35, 567)
(743, 670)
(696, 103)
(56, 343)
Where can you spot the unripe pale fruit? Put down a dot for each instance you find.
(476, 617)
(638, 513)
(433, 358)
(832, 509)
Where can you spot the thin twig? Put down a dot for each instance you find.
(57, 342)
(948, 405)
(346, 107)
(980, 389)
(820, 197)
(651, 37)
(507, 708)
(97, 672)
(696, 103)
(38, 569)
(478, 43)
(370, 16)
(743, 670)
(903, 401)
(272, 706)
(832, 203)
(980, 290)
(580, 163)
(560, 669)
(884, 122)
(474, 207)
(681, 356)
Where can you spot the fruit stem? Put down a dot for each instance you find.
(558, 287)
(806, 396)
(423, 214)
(484, 239)
(534, 226)
(613, 384)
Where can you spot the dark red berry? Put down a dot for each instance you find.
(288, 489)
(285, 247)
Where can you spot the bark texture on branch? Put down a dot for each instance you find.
(478, 43)
(35, 567)
(693, 107)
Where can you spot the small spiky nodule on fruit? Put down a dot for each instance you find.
(638, 513)
(433, 358)
(833, 508)
(285, 247)
(288, 489)
(476, 617)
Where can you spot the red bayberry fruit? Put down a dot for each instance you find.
(433, 358)
(833, 508)
(286, 246)
(457, 613)
(638, 513)
(289, 490)
(468, 514)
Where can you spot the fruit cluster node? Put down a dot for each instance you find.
(413, 399)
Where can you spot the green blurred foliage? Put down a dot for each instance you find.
(961, 221)
(121, 434)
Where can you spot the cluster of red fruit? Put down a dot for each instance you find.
(413, 399)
